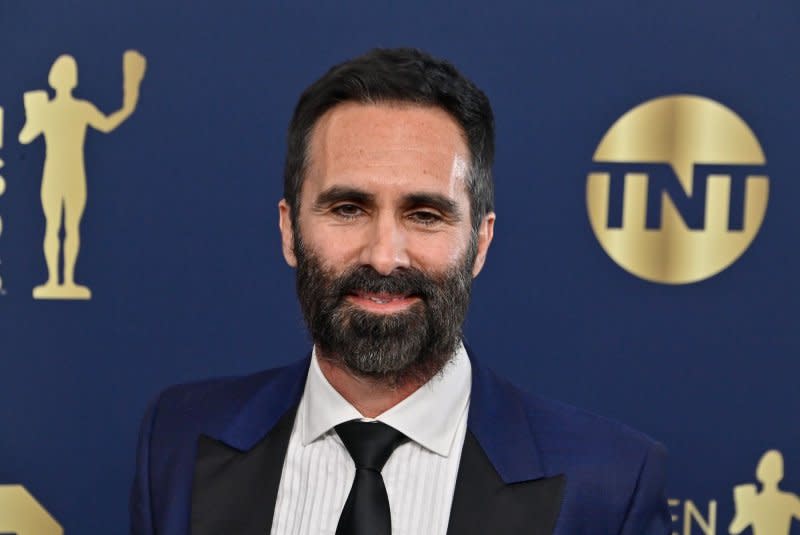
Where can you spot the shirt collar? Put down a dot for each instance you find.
(430, 416)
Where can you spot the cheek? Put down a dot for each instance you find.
(334, 245)
(437, 252)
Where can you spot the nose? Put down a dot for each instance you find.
(386, 246)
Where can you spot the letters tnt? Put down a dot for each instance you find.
(663, 182)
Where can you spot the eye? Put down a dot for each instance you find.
(347, 211)
(425, 217)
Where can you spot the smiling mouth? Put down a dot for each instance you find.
(382, 302)
(381, 298)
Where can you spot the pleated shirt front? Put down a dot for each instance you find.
(420, 476)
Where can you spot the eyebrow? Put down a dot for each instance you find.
(437, 201)
(334, 194)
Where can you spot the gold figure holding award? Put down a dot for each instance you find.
(769, 512)
(63, 121)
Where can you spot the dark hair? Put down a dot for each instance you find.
(398, 75)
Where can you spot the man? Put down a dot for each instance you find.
(390, 426)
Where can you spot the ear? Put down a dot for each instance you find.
(485, 235)
(287, 232)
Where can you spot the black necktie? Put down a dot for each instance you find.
(370, 444)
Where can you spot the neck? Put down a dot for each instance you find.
(769, 487)
(369, 395)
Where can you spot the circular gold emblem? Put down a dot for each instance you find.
(678, 190)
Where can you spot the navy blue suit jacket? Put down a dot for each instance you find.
(210, 456)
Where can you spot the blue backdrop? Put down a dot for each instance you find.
(181, 249)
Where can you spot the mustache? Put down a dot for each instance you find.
(407, 281)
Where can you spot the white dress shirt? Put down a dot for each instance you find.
(420, 476)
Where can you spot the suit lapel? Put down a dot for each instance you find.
(235, 491)
(484, 503)
(499, 421)
(502, 485)
(239, 458)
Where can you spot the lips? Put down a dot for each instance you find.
(382, 302)
(381, 298)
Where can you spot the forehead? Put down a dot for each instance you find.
(387, 143)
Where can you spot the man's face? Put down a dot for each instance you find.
(385, 251)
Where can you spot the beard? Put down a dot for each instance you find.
(412, 345)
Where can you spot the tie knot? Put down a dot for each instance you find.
(370, 444)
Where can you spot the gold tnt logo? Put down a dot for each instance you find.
(21, 514)
(678, 190)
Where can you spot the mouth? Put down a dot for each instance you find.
(382, 303)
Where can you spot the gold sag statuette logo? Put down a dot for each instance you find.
(769, 512)
(21, 514)
(678, 189)
(63, 121)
